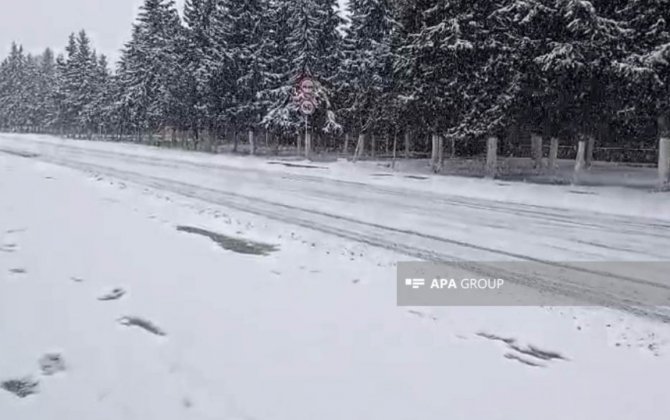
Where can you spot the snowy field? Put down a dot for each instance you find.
(169, 285)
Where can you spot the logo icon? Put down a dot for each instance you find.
(415, 283)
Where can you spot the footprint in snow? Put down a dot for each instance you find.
(51, 364)
(528, 355)
(133, 321)
(21, 387)
(114, 294)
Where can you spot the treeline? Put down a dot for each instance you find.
(400, 71)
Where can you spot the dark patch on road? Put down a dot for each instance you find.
(297, 165)
(114, 294)
(382, 175)
(22, 388)
(19, 153)
(134, 321)
(18, 271)
(582, 192)
(241, 246)
(422, 178)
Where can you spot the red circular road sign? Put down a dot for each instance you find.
(307, 107)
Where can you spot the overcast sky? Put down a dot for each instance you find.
(38, 24)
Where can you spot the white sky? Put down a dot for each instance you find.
(38, 24)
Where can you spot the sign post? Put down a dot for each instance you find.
(307, 103)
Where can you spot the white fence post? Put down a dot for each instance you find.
(664, 161)
(580, 164)
(491, 157)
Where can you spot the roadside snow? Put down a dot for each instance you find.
(309, 331)
(607, 200)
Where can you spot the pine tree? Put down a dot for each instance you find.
(646, 95)
(11, 79)
(198, 16)
(46, 87)
(243, 46)
(150, 69)
(367, 72)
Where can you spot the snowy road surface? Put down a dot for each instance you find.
(117, 300)
(426, 219)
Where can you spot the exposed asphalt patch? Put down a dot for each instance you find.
(241, 246)
(134, 321)
(297, 165)
(382, 175)
(416, 177)
(22, 388)
(583, 192)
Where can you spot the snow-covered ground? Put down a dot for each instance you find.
(309, 329)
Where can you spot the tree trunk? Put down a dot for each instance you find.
(536, 150)
(580, 164)
(346, 144)
(440, 153)
(553, 154)
(434, 150)
(308, 144)
(491, 157)
(664, 152)
(298, 143)
(274, 138)
(395, 148)
(590, 146)
(236, 139)
(407, 145)
(373, 146)
(360, 147)
(252, 142)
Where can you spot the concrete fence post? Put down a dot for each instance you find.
(491, 157)
(580, 164)
(664, 161)
(553, 154)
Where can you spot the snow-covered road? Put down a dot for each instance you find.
(420, 218)
(151, 319)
